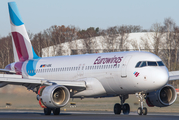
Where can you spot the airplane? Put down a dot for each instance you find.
(57, 79)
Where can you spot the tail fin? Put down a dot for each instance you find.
(22, 46)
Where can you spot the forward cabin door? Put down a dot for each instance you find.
(124, 66)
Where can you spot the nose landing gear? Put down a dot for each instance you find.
(141, 110)
(124, 107)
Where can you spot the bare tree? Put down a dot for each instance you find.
(47, 42)
(123, 36)
(157, 36)
(113, 33)
(169, 26)
(31, 35)
(146, 43)
(37, 43)
(134, 28)
(116, 37)
(71, 38)
(6, 52)
(134, 44)
(176, 47)
(2, 58)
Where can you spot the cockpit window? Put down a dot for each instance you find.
(138, 64)
(160, 63)
(152, 63)
(149, 63)
(143, 64)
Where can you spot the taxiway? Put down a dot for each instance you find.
(81, 115)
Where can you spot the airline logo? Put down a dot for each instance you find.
(45, 65)
(114, 59)
(136, 74)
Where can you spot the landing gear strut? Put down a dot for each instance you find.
(47, 111)
(125, 107)
(141, 110)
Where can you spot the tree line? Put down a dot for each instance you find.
(165, 36)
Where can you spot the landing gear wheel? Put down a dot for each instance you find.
(139, 111)
(47, 111)
(56, 111)
(144, 111)
(126, 109)
(117, 108)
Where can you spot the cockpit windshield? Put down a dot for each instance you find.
(143, 64)
(138, 64)
(149, 63)
(152, 63)
(160, 63)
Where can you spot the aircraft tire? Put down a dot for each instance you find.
(126, 109)
(144, 111)
(56, 111)
(117, 108)
(47, 111)
(139, 111)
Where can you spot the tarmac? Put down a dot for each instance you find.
(82, 115)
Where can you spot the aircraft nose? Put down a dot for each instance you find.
(162, 76)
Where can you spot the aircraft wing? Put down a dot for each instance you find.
(30, 83)
(173, 75)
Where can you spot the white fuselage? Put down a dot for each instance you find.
(111, 74)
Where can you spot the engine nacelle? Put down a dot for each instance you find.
(163, 97)
(55, 96)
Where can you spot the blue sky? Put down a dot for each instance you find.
(41, 14)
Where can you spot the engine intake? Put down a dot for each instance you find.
(54, 96)
(163, 97)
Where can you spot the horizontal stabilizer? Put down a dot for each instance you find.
(7, 71)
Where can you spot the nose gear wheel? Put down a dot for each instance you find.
(141, 110)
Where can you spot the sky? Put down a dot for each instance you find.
(39, 15)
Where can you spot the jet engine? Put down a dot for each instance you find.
(163, 97)
(54, 96)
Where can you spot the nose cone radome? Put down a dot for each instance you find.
(162, 76)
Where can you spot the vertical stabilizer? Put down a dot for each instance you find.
(22, 46)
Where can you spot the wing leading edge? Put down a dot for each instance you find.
(18, 80)
(173, 75)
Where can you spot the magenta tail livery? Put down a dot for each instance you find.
(57, 79)
(22, 46)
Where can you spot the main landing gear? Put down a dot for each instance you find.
(141, 110)
(47, 111)
(122, 107)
